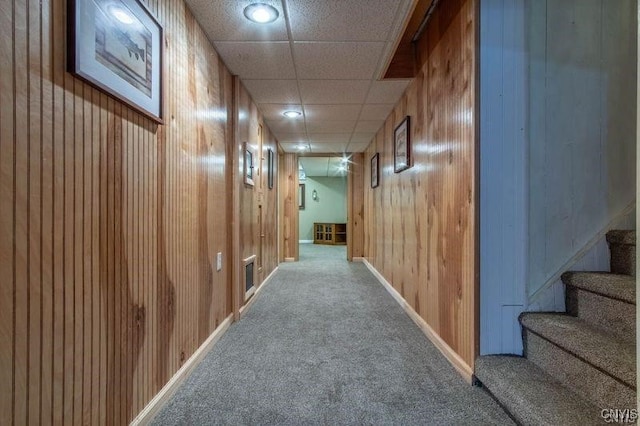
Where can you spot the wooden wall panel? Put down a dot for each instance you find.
(257, 200)
(355, 206)
(109, 223)
(289, 202)
(420, 225)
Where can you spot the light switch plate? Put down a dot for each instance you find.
(219, 262)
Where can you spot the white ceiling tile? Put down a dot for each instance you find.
(225, 20)
(253, 60)
(331, 112)
(357, 146)
(330, 126)
(293, 138)
(368, 126)
(290, 147)
(273, 91)
(274, 111)
(386, 92)
(286, 126)
(357, 60)
(328, 148)
(329, 137)
(376, 111)
(333, 91)
(363, 137)
(342, 19)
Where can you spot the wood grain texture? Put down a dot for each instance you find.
(289, 203)
(258, 213)
(110, 224)
(355, 207)
(420, 225)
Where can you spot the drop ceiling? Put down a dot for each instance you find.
(323, 58)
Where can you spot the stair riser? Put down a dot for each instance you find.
(614, 316)
(582, 378)
(623, 259)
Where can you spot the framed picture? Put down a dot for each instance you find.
(116, 46)
(301, 196)
(375, 164)
(402, 146)
(248, 166)
(270, 166)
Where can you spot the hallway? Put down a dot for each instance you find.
(324, 343)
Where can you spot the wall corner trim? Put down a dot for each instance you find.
(158, 402)
(458, 363)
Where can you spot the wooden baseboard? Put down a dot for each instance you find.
(289, 259)
(358, 259)
(244, 308)
(458, 363)
(157, 403)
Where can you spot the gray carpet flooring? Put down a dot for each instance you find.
(324, 343)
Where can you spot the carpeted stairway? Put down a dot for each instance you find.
(325, 344)
(577, 363)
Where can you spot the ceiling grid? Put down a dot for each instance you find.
(322, 58)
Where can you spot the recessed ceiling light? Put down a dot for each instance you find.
(292, 114)
(302, 147)
(261, 13)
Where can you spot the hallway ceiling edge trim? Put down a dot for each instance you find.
(324, 59)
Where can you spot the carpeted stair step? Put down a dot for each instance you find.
(622, 245)
(605, 300)
(591, 362)
(531, 396)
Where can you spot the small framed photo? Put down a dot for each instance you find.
(301, 196)
(375, 165)
(270, 165)
(402, 146)
(248, 166)
(116, 46)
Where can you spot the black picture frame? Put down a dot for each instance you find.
(270, 165)
(402, 146)
(375, 170)
(117, 47)
(301, 190)
(248, 166)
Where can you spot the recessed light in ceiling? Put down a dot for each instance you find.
(292, 114)
(261, 13)
(302, 147)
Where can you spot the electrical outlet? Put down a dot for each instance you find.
(219, 262)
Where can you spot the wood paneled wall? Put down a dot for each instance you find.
(109, 223)
(420, 225)
(355, 206)
(289, 202)
(258, 213)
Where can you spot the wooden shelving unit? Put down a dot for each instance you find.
(330, 233)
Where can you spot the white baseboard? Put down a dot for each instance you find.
(289, 259)
(244, 308)
(458, 363)
(305, 242)
(358, 259)
(157, 403)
